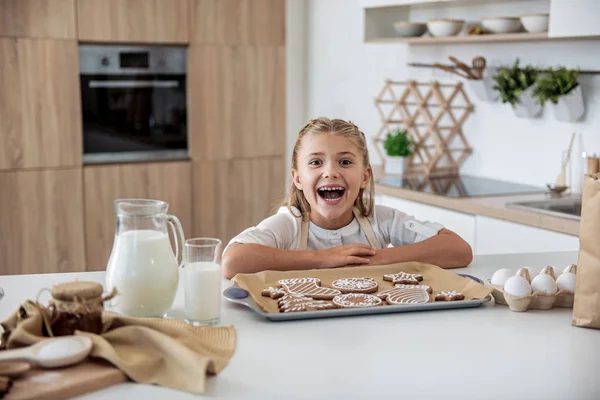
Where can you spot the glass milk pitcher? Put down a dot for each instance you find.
(142, 266)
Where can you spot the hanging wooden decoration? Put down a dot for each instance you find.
(433, 114)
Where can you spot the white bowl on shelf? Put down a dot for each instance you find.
(501, 24)
(445, 27)
(410, 29)
(535, 22)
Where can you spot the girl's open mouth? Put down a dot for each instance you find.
(332, 194)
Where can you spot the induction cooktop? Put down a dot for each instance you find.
(459, 186)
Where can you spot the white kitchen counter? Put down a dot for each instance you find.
(483, 353)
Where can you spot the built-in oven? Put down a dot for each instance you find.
(133, 102)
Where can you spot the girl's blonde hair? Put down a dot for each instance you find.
(364, 201)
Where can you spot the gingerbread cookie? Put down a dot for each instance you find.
(403, 278)
(274, 293)
(449, 296)
(356, 300)
(355, 285)
(309, 287)
(293, 302)
(406, 294)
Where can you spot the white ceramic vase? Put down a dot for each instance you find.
(394, 165)
(570, 107)
(527, 106)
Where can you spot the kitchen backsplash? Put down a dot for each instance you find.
(343, 75)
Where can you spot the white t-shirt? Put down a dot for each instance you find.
(392, 227)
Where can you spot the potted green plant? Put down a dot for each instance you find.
(398, 146)
(560, 88)
(515, 85)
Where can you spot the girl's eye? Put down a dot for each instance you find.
(345, 162)
(315, 162)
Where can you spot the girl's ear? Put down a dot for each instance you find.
(366, 177)
(296, 179)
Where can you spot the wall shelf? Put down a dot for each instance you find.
(567, 22)
(487, 38)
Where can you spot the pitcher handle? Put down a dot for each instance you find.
(177, 236)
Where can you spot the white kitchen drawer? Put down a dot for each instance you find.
(461, 223)
(494, 236)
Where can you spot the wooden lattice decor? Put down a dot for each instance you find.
(433, 114)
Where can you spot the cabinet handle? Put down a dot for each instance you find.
(133, 84)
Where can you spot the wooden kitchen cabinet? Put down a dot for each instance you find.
(236, 101)
(237, 22)
(495, 236)
(139, 21)
(41, 221)
(230, 196)
(169, 181)
(40, 111)
(38, 19)
(461, 223)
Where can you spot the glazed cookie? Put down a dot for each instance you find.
(449, 296)
(356, 300)
(292, 302)
(406, 294)
(355, 285)
(310, 287)
(403, 278)
(274, 293)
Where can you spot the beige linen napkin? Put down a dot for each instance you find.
(167, 352)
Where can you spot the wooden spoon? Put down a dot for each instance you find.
(51, 353)
(14, 369)
(451, 70)
(463, 67)
(479, 64)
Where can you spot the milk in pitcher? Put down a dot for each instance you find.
(143, 269)
(202, 281)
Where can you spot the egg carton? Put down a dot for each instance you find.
(537, 300)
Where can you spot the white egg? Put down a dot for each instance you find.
(517, 286)
(501, 276)
(566, 281)
(544, 283)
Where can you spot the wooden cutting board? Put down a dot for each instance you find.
(64, 383)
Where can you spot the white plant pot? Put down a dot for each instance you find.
(394, 165)
(527, 106)
(570, 107)
(483, 88)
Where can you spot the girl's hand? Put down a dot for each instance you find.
(344, 255)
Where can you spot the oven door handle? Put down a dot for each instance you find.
(133, 84)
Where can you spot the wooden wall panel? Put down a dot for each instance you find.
(41, 222)
(40, 111)
(38, 18)
(236, 101)
(168, 181)
(133, 21)
(230, 196)
(234, 22)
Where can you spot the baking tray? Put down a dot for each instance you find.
(237, 295)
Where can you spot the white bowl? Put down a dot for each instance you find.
(501, 24)
(410, 29)
(445, 27)
(535, 22)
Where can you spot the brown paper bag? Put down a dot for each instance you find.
(586, 309)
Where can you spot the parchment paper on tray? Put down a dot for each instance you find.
(435, 277)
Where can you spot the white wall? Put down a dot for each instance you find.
(343, 75)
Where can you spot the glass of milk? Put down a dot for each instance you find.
(202, 281)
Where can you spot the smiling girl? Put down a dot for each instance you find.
(329, 219)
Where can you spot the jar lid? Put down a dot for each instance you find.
(83, 290)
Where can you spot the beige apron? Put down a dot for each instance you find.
(364, 223)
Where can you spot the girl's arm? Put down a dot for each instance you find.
(252, 257)
(446, 250)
